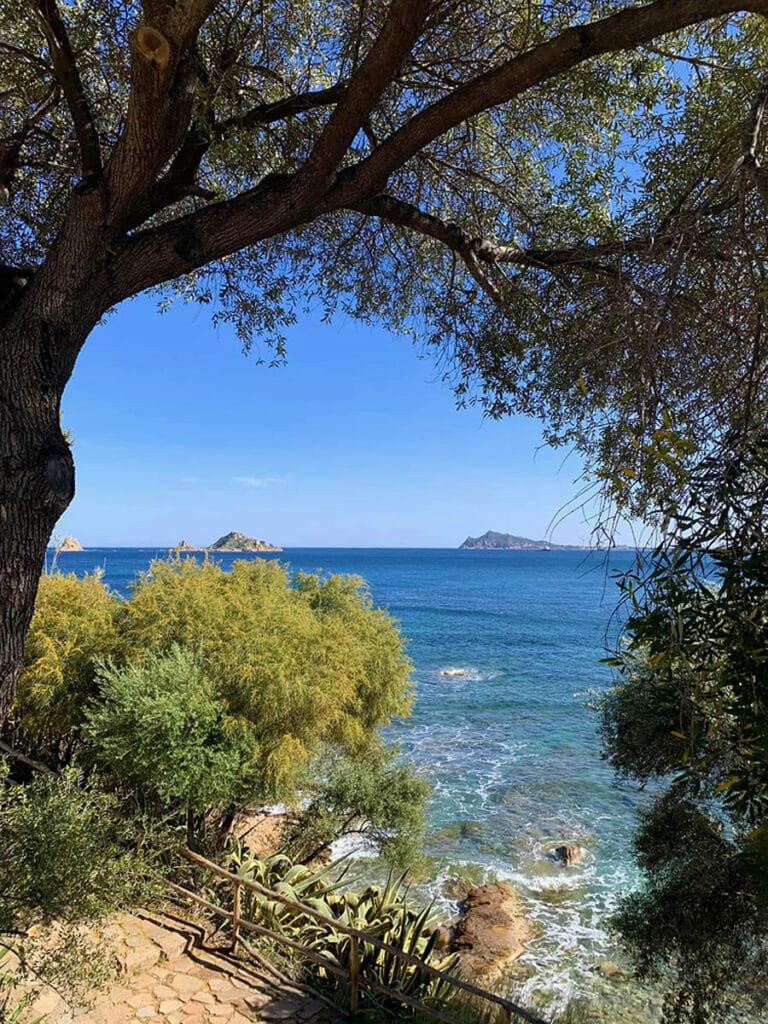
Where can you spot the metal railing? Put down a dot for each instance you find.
(354, 976)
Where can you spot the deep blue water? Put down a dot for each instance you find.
(508, 746)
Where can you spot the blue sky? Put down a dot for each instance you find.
(356, 442)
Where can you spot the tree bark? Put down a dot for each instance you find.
(37, 477)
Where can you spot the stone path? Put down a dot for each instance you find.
(165, 974)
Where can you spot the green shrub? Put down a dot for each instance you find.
(66, 850)
(158, 727)
(372, 795)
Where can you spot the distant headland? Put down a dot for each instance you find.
(231, 542)
(493, 541)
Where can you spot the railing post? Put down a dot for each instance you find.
(235, 915)
(353, 967)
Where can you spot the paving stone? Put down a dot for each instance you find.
(145, 1012)
(119, 993)
(168, 1006)
(143, 982)
(220, 1012)
(48, 1001)
(256, 1000)
(164, 992)
(137, 999)
(186, 985)
(204, 997)
(140, 958)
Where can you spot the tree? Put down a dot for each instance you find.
(398, 157)
(691, 710)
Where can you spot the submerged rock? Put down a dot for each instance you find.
(609, 969)
(452, 673)
(491, 933)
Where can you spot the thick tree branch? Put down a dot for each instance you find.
(282, 110)
(480, 253)
(751, 140)
(280, 205)
(68, 78)
(402, 27)
(621, 31)
(180, 180)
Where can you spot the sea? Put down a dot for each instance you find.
(506, 648)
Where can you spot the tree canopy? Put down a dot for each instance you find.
(568, 206)
(564, 201)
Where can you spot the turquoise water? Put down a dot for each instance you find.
(508, 746)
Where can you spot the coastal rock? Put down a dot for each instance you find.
(184, 545)
(567, 854)
(491, 933)
(69, 544)
(452, 673)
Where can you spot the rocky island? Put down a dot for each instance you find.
(231, 542)
(69, 544)
(493, 541)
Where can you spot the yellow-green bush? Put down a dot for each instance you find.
(305, 662)
(73, 626)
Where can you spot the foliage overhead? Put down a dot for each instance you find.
(691, 709)
(566, 200)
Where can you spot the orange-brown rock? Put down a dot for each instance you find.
(261, 832)
(492, 932)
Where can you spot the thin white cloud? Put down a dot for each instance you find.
(258, 481)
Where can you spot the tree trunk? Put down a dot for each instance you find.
(37, 477)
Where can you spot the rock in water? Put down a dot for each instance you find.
(567, 854)
(491, 933)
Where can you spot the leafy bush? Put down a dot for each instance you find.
(158, 727)
(66, 850)
(372, 795)
(74, 626)
(307, 663)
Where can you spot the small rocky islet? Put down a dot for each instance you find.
(68, 544)
(232, 541)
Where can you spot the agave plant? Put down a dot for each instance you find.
(380, 911)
